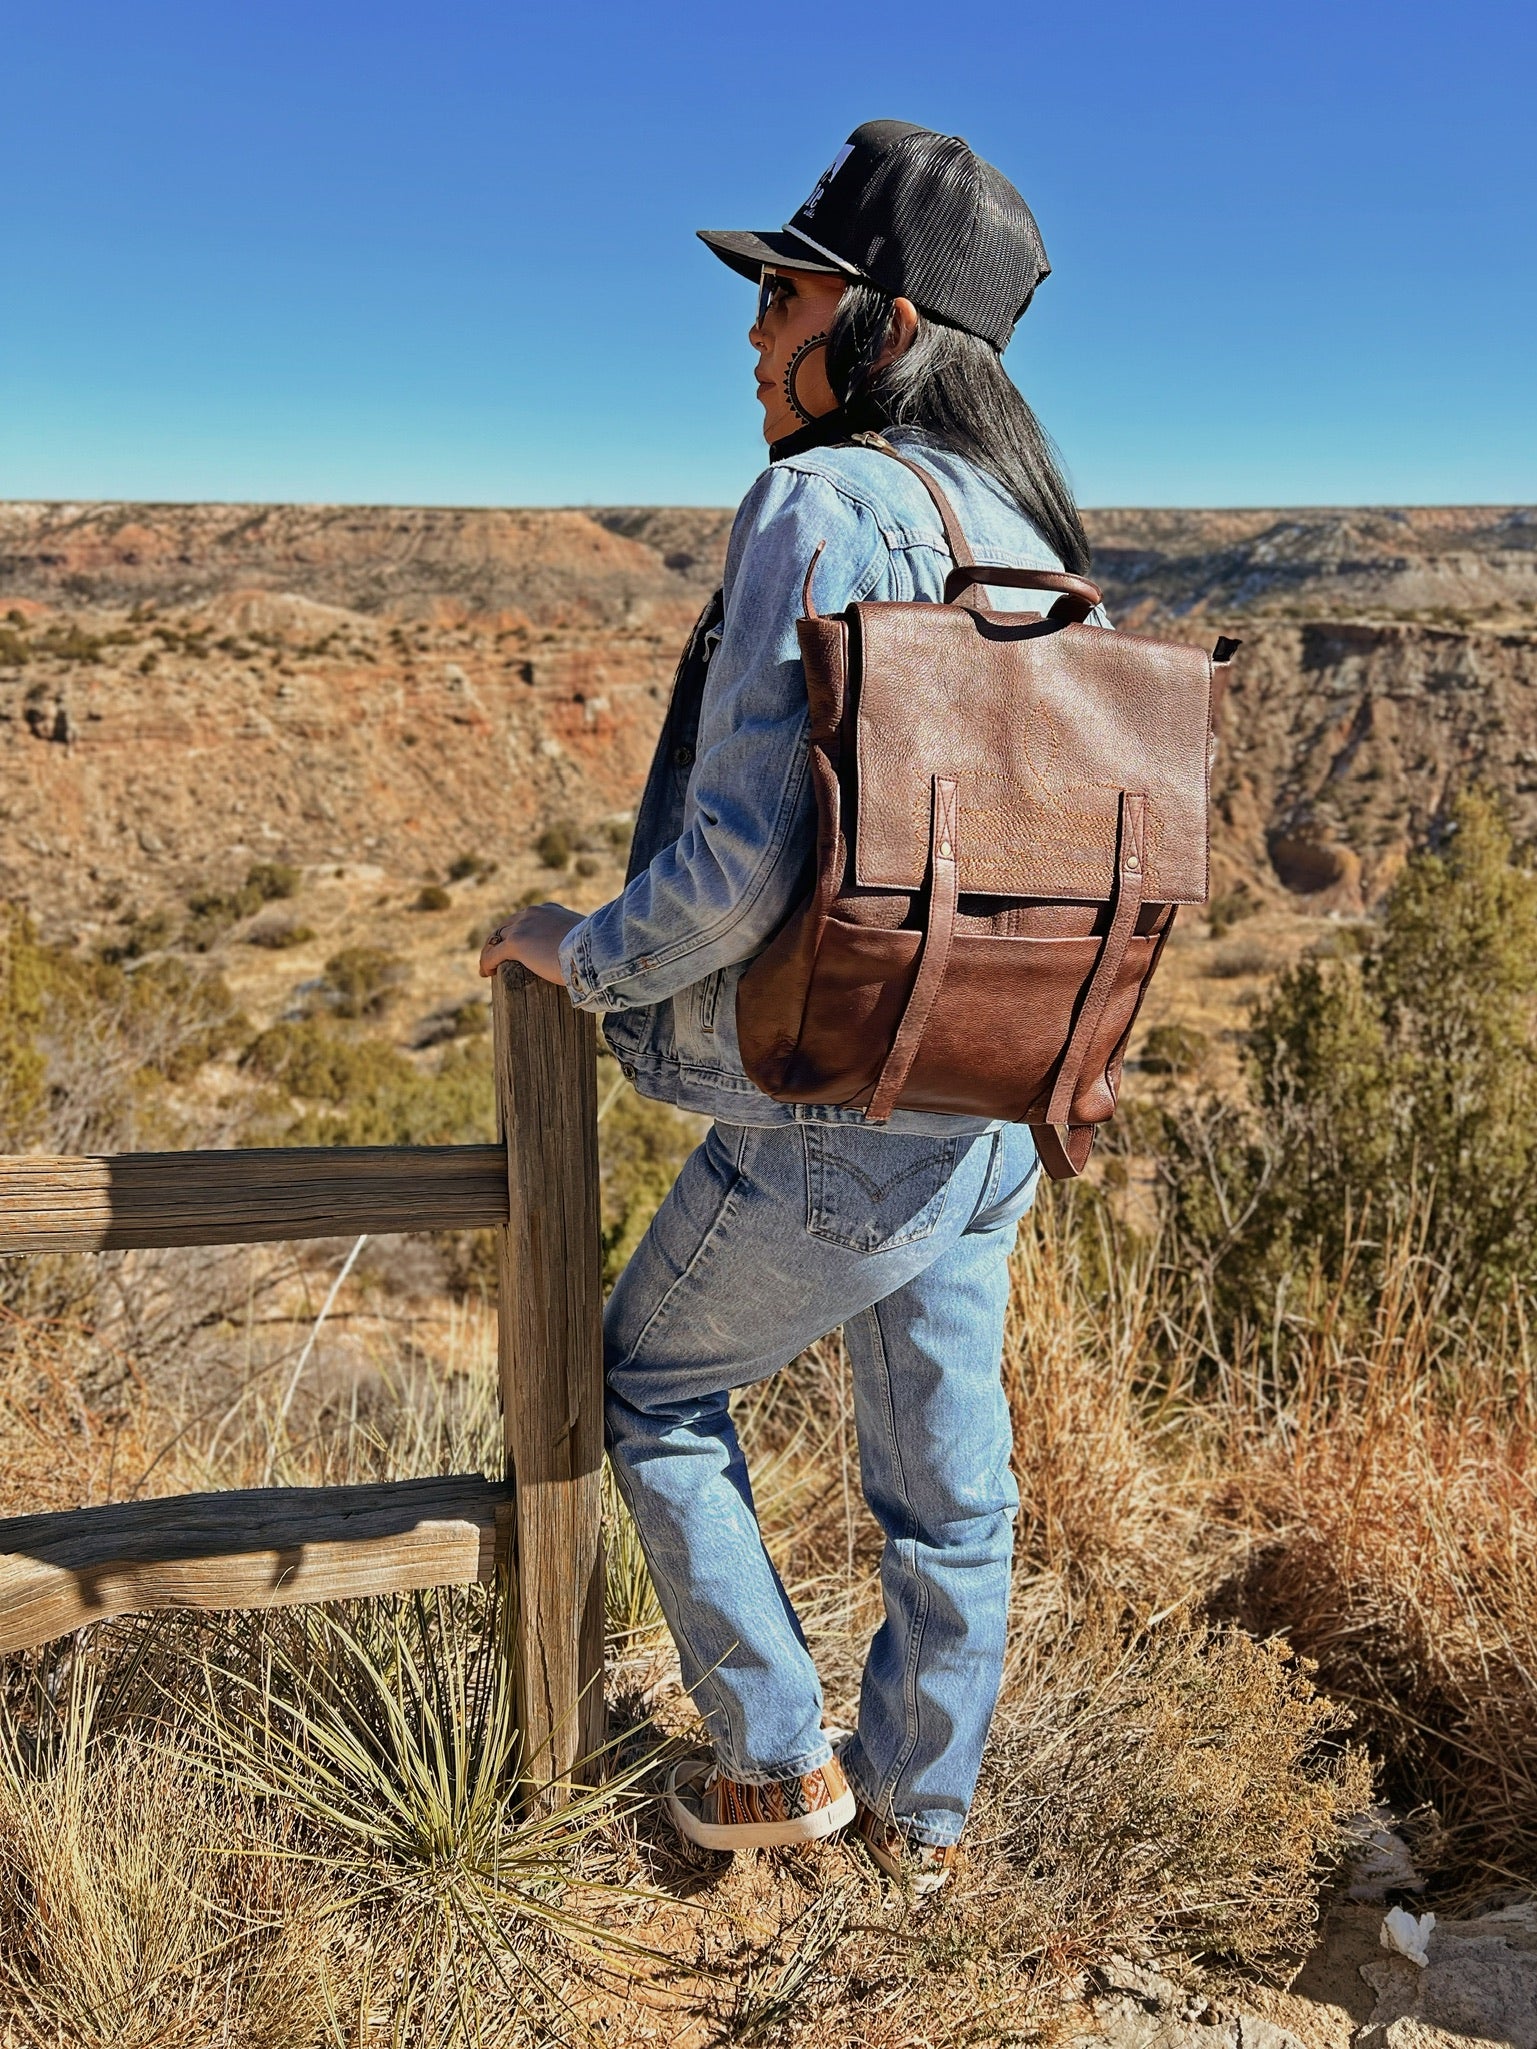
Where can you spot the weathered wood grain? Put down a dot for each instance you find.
(551, 1364)
(247, 1198)
(264, 1548)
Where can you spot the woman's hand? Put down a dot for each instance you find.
(532, 937)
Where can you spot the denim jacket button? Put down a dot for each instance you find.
(684, 756)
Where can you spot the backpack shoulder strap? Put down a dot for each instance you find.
(1078, 595)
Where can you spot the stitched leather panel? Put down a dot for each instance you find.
(1041, 727)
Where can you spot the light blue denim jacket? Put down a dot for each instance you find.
(728, 856)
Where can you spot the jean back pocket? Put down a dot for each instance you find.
(872, 1191)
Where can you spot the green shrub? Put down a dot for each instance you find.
(1241, 957)
(24, 983)
(1391, 1090)
(463, 866)
(1174, 1049)
(214, 912)
(360, 980)
(433, 898)
(72, 644)
(87, 1045)
(470, 1020)
(143, 933)
(357, 1090)
(553, 846)
(1224, 912)
(268, 881)
(14, 651)
(181, 1018)
(277, 937)
(312, 1060)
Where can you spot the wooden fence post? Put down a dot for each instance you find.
(550, 1361)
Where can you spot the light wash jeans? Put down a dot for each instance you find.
(771, 1236)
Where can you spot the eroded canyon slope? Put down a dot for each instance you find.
(186, 689)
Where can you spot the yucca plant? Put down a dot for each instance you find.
(389, 1728)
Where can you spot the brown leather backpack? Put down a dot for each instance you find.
(1010, 808)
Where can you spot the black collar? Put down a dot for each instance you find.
(841, 424)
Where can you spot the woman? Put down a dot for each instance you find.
(884, 305)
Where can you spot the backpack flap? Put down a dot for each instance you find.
(1041, 726)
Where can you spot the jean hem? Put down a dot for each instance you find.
(915, 1832)
(760, 1775)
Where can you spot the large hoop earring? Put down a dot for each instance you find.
(816, 341)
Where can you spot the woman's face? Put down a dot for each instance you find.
(790, 340)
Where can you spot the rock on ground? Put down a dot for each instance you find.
(1479, 1985)
(1478, 1991)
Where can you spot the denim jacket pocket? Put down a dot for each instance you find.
(872, 1191)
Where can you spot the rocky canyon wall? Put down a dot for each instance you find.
(186, 688)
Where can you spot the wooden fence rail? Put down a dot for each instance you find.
(274, 1546)
(268, 1547)
(247, 1198)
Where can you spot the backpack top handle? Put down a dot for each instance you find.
(1077, 600)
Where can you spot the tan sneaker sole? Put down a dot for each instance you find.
(688, 1789)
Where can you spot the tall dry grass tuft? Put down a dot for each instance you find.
(138, 1905)
(390, 1725)
(1389, 1489)
(1101, 1427)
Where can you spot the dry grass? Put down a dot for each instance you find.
(360, 1815)
(172, 1374)
(140, 1905)
(1390, 1502)
(1362, 1485)
(303, 1829)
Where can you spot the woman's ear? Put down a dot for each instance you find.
(901, 331)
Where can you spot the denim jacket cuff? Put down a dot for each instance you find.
(576, 965)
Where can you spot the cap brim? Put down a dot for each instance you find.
(747, 253)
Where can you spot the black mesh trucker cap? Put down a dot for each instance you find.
(918, 214)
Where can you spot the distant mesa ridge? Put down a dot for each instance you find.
(366, 558)
(374, 558)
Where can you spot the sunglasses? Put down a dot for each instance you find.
(773, 290)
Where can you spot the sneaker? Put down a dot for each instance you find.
(922, 1868)
(718, 1813)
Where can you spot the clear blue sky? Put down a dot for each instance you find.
(321, 249)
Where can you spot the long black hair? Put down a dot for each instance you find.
(953, 386)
